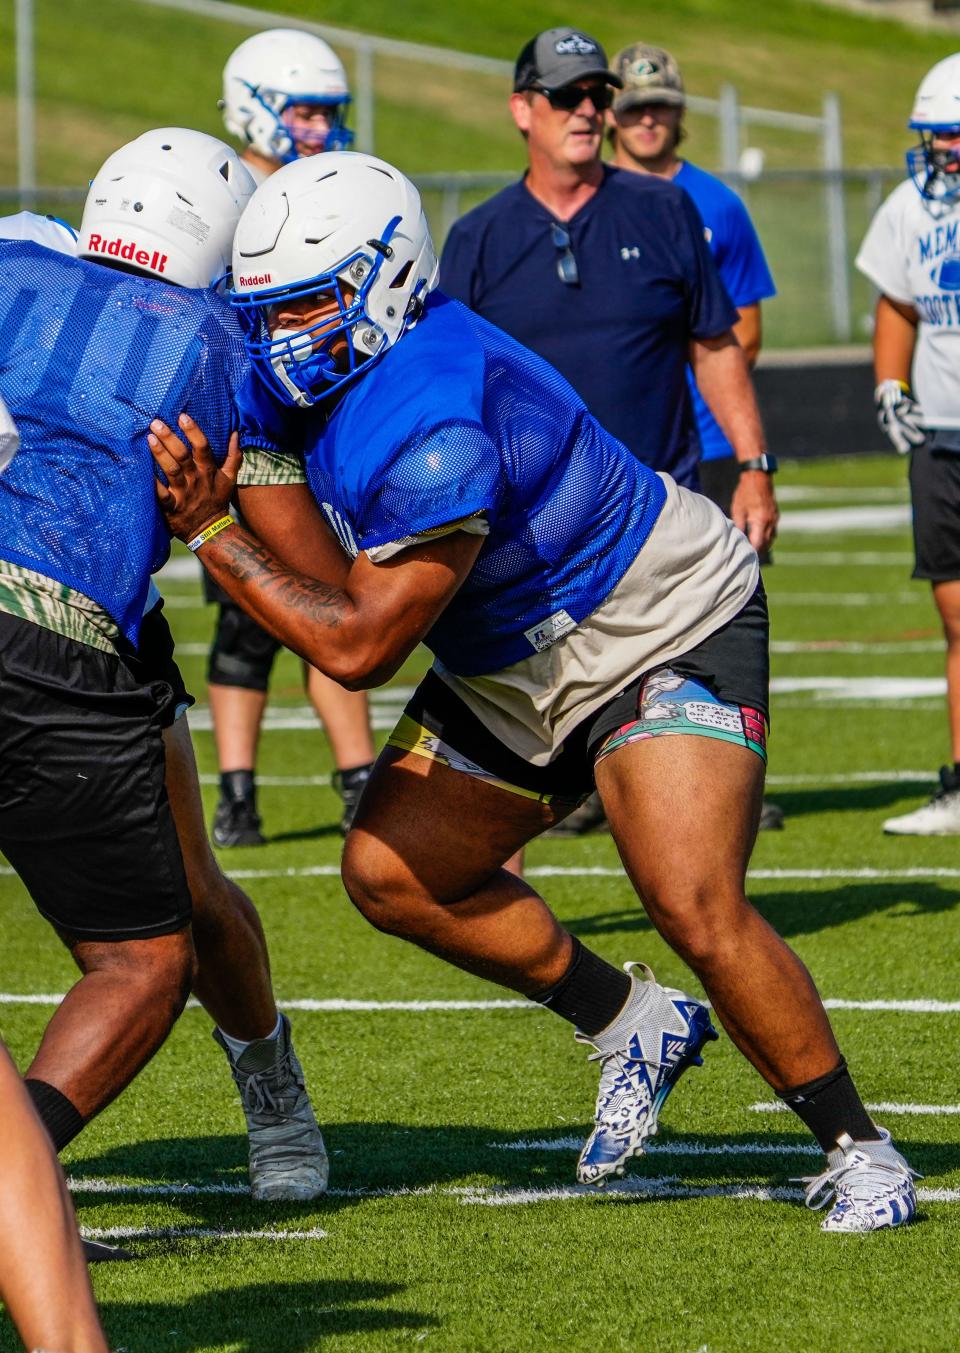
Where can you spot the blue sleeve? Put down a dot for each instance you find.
(437, 475)
(710, 310)
(265, 422)
(459, 265)
(740, 257)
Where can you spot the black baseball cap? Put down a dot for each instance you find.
(560, 56)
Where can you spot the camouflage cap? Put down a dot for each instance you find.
(649, 75)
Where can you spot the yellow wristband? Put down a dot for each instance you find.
(209, 533)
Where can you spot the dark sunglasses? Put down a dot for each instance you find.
(568, 97)
(567, 269)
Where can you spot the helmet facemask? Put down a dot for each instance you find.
(286, 142)
(936, 172)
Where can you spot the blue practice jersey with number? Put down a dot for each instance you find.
(88, 356)
(459, 419)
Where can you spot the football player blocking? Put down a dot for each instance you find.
(133, 888)
(587, 619)
(911, 256)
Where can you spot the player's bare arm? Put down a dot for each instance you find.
(894, 339)
(285, 518)
(358, 630)
(722, 377)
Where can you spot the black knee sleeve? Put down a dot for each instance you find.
(242, 653)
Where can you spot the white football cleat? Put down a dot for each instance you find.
(642, 1055)
(871, 1185)
(939, 817)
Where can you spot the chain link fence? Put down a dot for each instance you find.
(791, 210)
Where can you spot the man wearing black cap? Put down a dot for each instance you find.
(608, 276)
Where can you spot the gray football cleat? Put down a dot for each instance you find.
(288, 1160)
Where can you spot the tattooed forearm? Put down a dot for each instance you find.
(247, 560)
(316, 600)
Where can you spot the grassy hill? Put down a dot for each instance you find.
(107, 69)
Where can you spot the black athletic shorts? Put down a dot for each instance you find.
(84, 815)
(730, 669)
(935, 493)
(154, 659)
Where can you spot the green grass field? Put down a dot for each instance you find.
(452, 1221)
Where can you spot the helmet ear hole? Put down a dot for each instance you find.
(402, 275)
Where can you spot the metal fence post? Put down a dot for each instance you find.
(26, 130)
(449, 208)
(837, 250)
(728, 111)
(365, 101)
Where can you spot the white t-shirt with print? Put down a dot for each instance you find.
(911, 253)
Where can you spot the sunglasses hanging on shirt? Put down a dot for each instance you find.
(567, 269)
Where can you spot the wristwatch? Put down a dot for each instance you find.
(768, 464)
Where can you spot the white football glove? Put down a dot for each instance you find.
(899, 416)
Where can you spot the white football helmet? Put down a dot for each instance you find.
(167, 204)
(936, 112)
(348, 226)
(267, 76)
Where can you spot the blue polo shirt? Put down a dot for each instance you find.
(742, 266)
(648, 284)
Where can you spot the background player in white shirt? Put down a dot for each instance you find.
(285, 96)
(911, 253)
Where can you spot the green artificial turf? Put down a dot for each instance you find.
(437, 1231)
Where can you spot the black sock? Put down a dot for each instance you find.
(356, 777)
(590, 994)
(831, 1106)
(61, 1119)
(236, 785)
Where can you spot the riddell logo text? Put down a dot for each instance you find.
(257, 280)
(127, 249)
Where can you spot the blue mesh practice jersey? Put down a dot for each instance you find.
(740, 260)
(88, 356)
(456, 419)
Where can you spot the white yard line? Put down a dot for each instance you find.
(598, 871)
(192, 1233)
(841, 558)
(844, 778)
(855, 777)
(885, 1106)
(665, 1186)
(858, 599)
(342, 1005)
(836, 520)
(658, 1148)
(829, 646)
